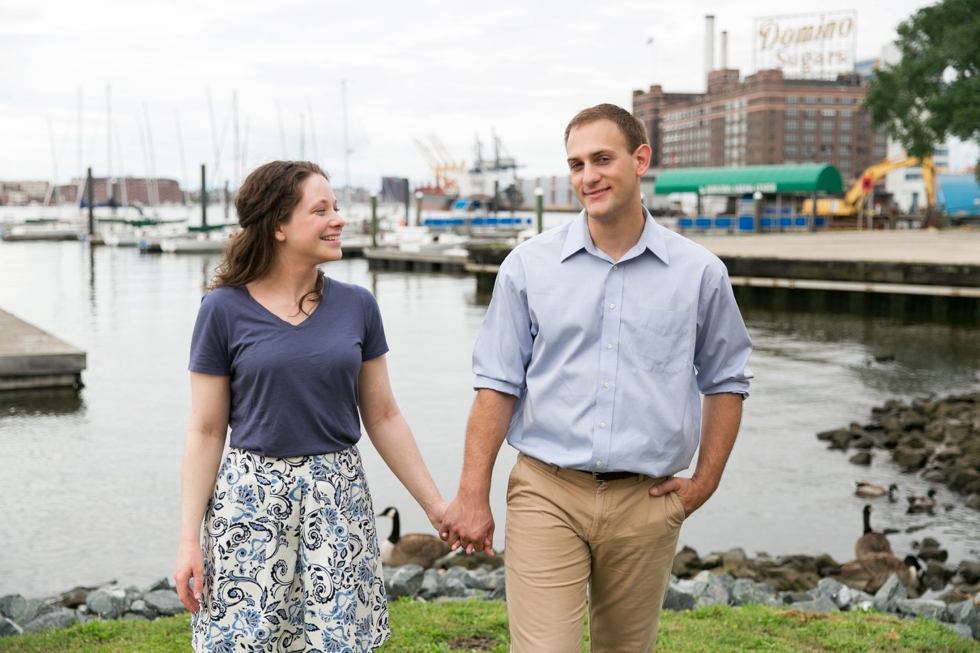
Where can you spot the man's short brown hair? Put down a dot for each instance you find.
(632, 129)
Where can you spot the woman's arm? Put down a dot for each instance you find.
(210, 404)
(391, 436)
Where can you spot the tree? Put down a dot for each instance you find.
(934, 92)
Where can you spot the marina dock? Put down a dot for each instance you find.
(32, 358)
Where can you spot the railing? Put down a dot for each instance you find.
(746, 223)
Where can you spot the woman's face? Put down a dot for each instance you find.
(312, 234)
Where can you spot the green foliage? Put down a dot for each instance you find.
(934, 92)
(482, 626)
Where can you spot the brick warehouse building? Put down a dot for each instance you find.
(764, 119)
(127, 190)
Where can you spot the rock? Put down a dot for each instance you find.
(132, 594)
(887, 597)
(716, 590)
(9, 628)
(860, 458)
(472, 593)
(965, 613)
(861, 599)
(834, 590)
(840, 439)
(465, 576)
(746, 592)
(162, 584)
(910, 460)
(405, 581)
(973, 502)
(498, 594)
(133, 616)
(165, 602)
(496, 578)
(822, 604)
(936, 575)
(922, 608)
(964, 479)
(734, 560)
(72, 598)
(84, 617)
(686, 563)
(961, 629)
(948, 453)
(787, 598)
(929, 543)
(935, 476)
(930, 553)
(453, 588)
(823, 563)
(828, 436)
(711, 562)
(431, 584)
(970, 571)
(13, 606)
(679, 600)
(35, 608)
(108, 603)
(56, 619)
(140, 607)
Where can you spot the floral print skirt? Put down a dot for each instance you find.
(291, 558)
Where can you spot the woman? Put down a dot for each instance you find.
(286, 357)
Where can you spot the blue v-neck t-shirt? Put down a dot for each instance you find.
(293, 388)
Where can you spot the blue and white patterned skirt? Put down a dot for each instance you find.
(291, 559)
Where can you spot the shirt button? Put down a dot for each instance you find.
(609, 346)
(598, 463)
(602, 425)
(612, 306)
(615, 267)
(606, 384)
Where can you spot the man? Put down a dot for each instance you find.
(599, 337)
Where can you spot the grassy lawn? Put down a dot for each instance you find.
(482, 626)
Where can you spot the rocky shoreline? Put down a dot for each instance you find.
(936, 438)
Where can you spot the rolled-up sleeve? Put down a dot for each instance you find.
(723, 346)
(503, 347)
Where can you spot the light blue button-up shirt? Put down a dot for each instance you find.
(607, 358)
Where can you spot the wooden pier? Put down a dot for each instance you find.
(32, 358)
(390, 258)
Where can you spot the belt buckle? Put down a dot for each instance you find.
(595, 476)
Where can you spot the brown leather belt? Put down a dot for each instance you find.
(603, 477)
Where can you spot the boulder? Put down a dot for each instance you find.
(140, 607)
(973, 502)
(964, 612)
(948, 453)
(35, 608)
(686, 563)
(676, 599)
(134, 616)
(734, 560)
(960, 629)
(469, 578)
(56, 619)
(834, 590)
(888, 595)
(922, 608)
(970, 571)
(716, 590)
(935, 476)
(910, 460)
(860, 458)
(930, 553)
(746, 592)
(85, 617)
(13, 606)
(405, 581)
(822, 604)
(162, 584)
(498, 594)
(431, 584)
(108, 603)
(825, 562)
(787, 598)
(9, 628)
(936, 575)
(829, 436)
(453, 588)
(496, 578)
(132, 594)
(165, 602)
(964, 480)
(840, 439)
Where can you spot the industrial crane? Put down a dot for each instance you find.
(855, 198)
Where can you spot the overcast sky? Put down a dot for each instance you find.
(456, 69)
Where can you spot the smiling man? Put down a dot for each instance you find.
(599, 341)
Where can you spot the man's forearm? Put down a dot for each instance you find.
(485, 432)
(720, 418)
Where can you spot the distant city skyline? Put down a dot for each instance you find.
(519, 69)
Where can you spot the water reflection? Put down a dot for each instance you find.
(49, 402)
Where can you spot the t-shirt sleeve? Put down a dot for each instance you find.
(209, 343)
(375, 343)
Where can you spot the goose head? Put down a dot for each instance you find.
(914, 567)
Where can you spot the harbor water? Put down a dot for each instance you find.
(90, 481)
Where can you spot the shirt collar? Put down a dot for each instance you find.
(579, 238)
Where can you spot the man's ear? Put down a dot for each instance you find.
(642, 157)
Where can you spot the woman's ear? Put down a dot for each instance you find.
(279, 233)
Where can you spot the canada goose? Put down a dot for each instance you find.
(870, 571)
(919, 503)
(871, 541)
(411, 548)
(869, 490)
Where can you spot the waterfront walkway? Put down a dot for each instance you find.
(32, 358)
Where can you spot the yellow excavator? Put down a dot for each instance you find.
(857, 196)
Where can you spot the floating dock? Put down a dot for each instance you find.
(32, 358)
(391, 258)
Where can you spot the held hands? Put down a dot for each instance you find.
(468, 523)
(190, 565)
(692, 492)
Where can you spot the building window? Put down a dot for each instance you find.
(845, 114)
(809, 150)
(847, 100)
(844, 164)
(791, 125)
(826, 150)
(789, 150)
(862, 151)
(827, 125)
(790, 138)
(844, 150)
(792, 99)
(828, 99)
(809, 125)
(845, 126)
(879, 152)
(810, 113)
(791, 113)
(827, 113)
(880, 138)
(810, 99)
(809, 138)
(827, 137)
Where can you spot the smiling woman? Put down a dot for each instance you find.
(288, 359)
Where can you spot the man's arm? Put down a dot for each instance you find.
(720, 419)
(468, 521)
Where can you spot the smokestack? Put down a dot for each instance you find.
(724, 49)
(709, 44)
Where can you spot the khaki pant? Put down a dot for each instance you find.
(566, 532)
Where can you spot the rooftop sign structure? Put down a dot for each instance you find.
(806, 46)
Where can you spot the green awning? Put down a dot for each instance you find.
(741, 181)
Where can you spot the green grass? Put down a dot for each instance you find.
(442, 627)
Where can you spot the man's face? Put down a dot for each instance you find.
(605, 175)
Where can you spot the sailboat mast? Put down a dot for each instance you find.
(343, 94)
(183, 159)
(238, 154)
(108, 132)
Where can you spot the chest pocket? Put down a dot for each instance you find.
(662, 341)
